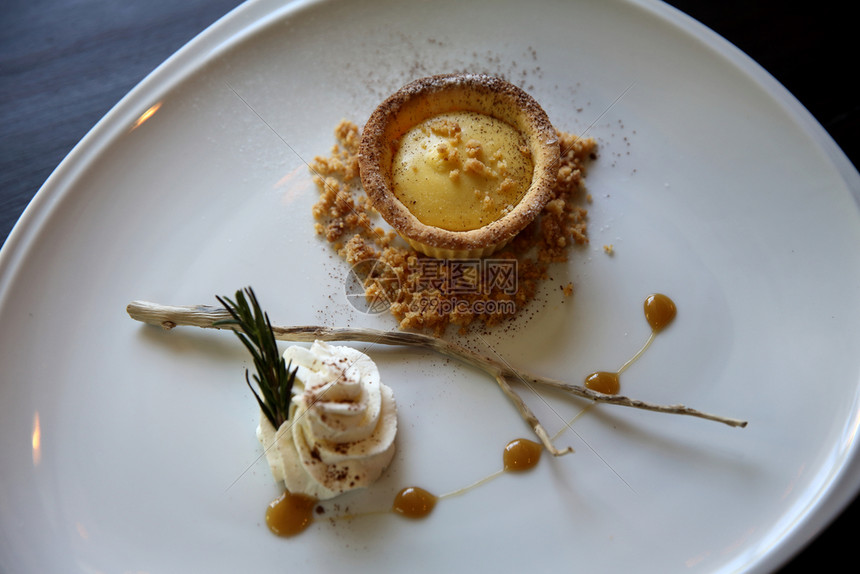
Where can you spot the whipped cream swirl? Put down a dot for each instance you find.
(343, 420)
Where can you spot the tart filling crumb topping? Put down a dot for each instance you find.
(475, 163)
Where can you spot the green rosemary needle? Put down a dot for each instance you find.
(273, 377)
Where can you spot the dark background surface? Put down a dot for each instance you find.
(65, 63)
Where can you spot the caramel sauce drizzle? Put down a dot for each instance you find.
(519, 455)
(660, 311)
(291, 514)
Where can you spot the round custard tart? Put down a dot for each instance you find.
(459, 164)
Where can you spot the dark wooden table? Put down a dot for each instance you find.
(65, 63)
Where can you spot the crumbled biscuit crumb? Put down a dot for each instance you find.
(476, 166)
(609, 249)
(507, 186)
(473, 148)
(426, 294)
(446, 128)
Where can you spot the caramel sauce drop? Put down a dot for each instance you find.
(659, 311)
(290, 514)
(414, 502)
(604, 382)
(521, 454)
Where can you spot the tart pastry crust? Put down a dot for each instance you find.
(426, 98)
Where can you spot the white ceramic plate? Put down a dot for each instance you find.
(713, 185)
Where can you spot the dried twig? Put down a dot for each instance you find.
(530, 417)
(207, 317)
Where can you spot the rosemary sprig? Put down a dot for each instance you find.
(273, 376)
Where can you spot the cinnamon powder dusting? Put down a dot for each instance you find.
(427, 294)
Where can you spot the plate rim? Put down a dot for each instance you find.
(249, 18)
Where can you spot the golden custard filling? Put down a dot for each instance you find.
(461, 170)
